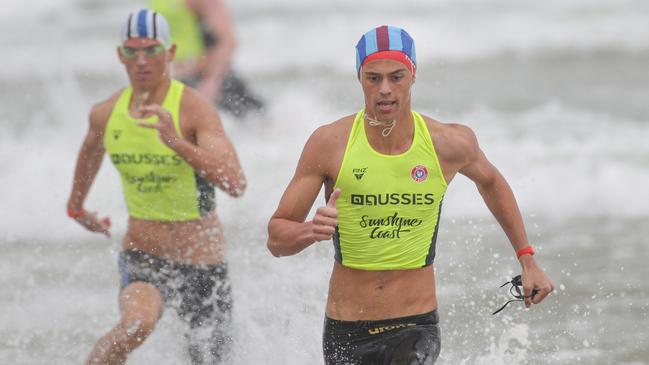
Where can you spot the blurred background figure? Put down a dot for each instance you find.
(204, 34)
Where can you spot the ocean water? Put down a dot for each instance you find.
(556, 92)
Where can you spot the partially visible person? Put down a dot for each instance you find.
(169, 146)
(204, 34)
(385, 171)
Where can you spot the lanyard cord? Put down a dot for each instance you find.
(377, 123)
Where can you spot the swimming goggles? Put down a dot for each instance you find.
(151, 51)
(516, 292)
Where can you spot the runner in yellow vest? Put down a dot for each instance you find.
(204, 34)
(385, 171)
(170, 149)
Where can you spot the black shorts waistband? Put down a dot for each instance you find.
(159, 261)
(376, 326)
(137, 265)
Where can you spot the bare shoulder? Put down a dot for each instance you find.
(195, 5)
(325, 148)
(196, 110)
(333, 134)
(100, 112)
(452, 141)
(201, 6)
(192, 99)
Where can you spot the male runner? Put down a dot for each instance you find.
(204, 34)
(385, 172)
(169, 146)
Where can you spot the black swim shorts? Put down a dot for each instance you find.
(200, 294)
(412, 340)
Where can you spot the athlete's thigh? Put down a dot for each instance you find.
(141, 301)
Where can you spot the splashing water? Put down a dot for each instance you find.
(511, 348)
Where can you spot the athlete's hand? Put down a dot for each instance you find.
(326, 218)
(91, 222)
(165, 124)
(536, 284)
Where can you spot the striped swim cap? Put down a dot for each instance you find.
(147, 23)
(386, 42)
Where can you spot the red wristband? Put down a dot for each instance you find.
(78, 214)
(524, 251)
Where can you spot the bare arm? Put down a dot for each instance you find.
(500, 200)
(215, 15)
(212, 155)
(288, 233)
(496, 193)
(88, 163)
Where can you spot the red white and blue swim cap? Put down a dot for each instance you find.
(386, 42)
(147, 23)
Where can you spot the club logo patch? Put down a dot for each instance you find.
(419, 173)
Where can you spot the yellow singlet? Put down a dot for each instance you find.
(159, 185)
(389, 208)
